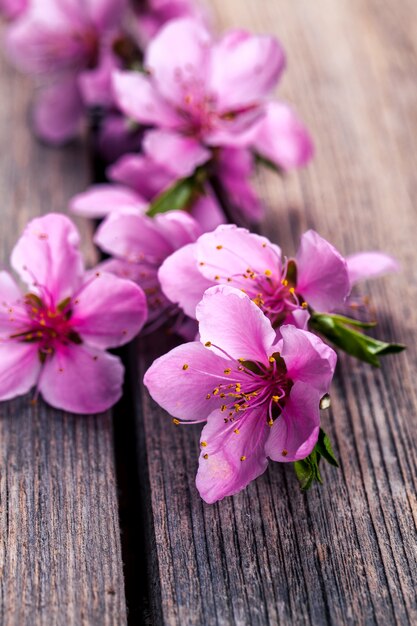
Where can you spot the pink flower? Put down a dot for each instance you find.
(66, 43)
(260, 398)
(139, 244)
(201, 94)
(54, 335)
(318, 279)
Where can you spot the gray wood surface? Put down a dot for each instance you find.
(345, 553)
(60, 555)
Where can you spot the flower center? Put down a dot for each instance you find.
(47, 325)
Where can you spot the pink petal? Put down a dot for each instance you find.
(307, 358)
(105, 13)
(10, 304)
(47, 256)
(12, 8)
(282, 138)
(58, 112)
(181, 281)
(178, 58)
(322, 275)
(234, 170)
(100, 200)
(222, 473)
(178, 227)
(142, 174)
(138, 99)
(244, 68)
(295, 433)
(109, 311)
(19, 368)
(132, 237)
(229, 251)
(366, 265)
(230, 320)
(82, 379)
(178, 154)
(207, 212)
(96, 84)
(182, 391)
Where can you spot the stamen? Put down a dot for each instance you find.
(203, 444)
(243, 458)
(175, 421)
(185, 366)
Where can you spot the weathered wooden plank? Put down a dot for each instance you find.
(60, 555)
(344, 553)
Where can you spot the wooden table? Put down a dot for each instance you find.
(344, 553)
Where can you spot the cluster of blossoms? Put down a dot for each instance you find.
(181, 120)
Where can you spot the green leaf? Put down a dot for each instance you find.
(324, 448)
(339, 331)
(307, 470)
(261, 160)
(176, 198)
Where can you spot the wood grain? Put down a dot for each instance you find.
(344, 553)
(60, 556)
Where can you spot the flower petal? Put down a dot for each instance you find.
(100, 200)
(105, 13)
(282, 138)
(207, 212)
(109, 311)
(178, 154)
(295, 433)
(230, 320)
(235, 166)
(229, 251)
(142, 174)
(307, 358)
(82, 379)
(178, 58)
(230, 461)
(181, 380)
(132, 237)
(181, 281)
(322, 275)
(19, 368)
(138, 99)
(47, 256)
(366, 265)
(244, 68)
(58, 112)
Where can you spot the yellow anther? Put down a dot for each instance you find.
(275, 398)
(205, 456)
(285, 283)
(223, 407)
(217, 278)
(175, 421)
(227, 370)
(271, 423)
(203, 444)
(219, 247)
(271, 359)
(244, 290)
(264, 245)
(201, 263)
(236, 431)
(284, 452)
(222, 395)
(243, 458)
(185, 366)
(268, 273)
(208, 344)
(292, 290)
(304, 305)
(216, 391)
(208, 396)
